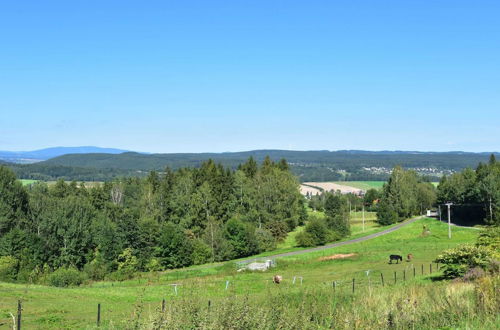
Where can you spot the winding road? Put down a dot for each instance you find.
(329, 246)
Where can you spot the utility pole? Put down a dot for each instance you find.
(439, 206)
(449, 204)
(363, 217)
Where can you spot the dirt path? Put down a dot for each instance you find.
(329, 246)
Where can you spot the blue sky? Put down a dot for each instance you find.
(192, 76)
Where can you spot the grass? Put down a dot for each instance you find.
(27, 182)
(48, 307)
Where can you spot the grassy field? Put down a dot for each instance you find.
(26, 182)
(138, 299)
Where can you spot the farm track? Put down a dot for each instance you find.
(332, 245)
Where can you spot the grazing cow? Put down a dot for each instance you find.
(395, 257)
(409, 257)
(277, 279)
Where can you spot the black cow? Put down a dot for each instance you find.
(395, 257)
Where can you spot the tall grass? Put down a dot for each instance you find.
(412, 305)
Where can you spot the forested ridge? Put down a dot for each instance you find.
(307, 165)
(179, 218)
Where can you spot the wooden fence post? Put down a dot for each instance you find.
(163, 305)
(395, 278)
(19, 314)
(352, 285)
(209, 305)
(430, 268)
(404, 274)
(414, 273)
(98, 314)
(382, 277)
(422, 269)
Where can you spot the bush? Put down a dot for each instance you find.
(127, 263)
(316, 233)
(318, 230)
(265, 240)
(8, 268)
(64, 277)
(153, 265)
(456, 262)
(97, 268)
(202, 253)
(490, 237)
(304, 239)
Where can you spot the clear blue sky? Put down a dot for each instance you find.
(190, 76)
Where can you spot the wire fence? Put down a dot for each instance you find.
(338, 282)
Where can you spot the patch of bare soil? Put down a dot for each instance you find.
(338, 256)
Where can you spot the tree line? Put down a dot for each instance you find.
(475, 194)
(165, 220)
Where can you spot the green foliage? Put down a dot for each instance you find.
(174, 248)
(8, 268)
(457, 261)
(315, 233)
(13, 200)
(404, 195)
(265, 240)
(201, 252)
(305, 239)
(337, 214)
(241, 237)
(167, 219)
(64, 277)
(490, 237)
(127, 262)
(476, 194)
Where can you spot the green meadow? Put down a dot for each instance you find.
(137, 301)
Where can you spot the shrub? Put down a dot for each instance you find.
(153, 265)
(127, 262)
(97, 268)
(8, 268)
(315, 233)
(490, 237)
(265, 240)
(202, 253)
(304, 239)
(456, 262)
(64, 277)
(318, 230)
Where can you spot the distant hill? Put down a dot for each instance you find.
(307, 165)
(24, 157)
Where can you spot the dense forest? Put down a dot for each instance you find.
(179, 218)
(475, 194)
(306, 165)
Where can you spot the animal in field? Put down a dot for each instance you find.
(395, 257)
(277, 279)
(409, 257)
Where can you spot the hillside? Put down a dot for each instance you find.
(306, 278)
(307, 165)
(47, 153)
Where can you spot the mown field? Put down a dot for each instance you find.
(88, 184)
(136, 302)
(365, 185)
